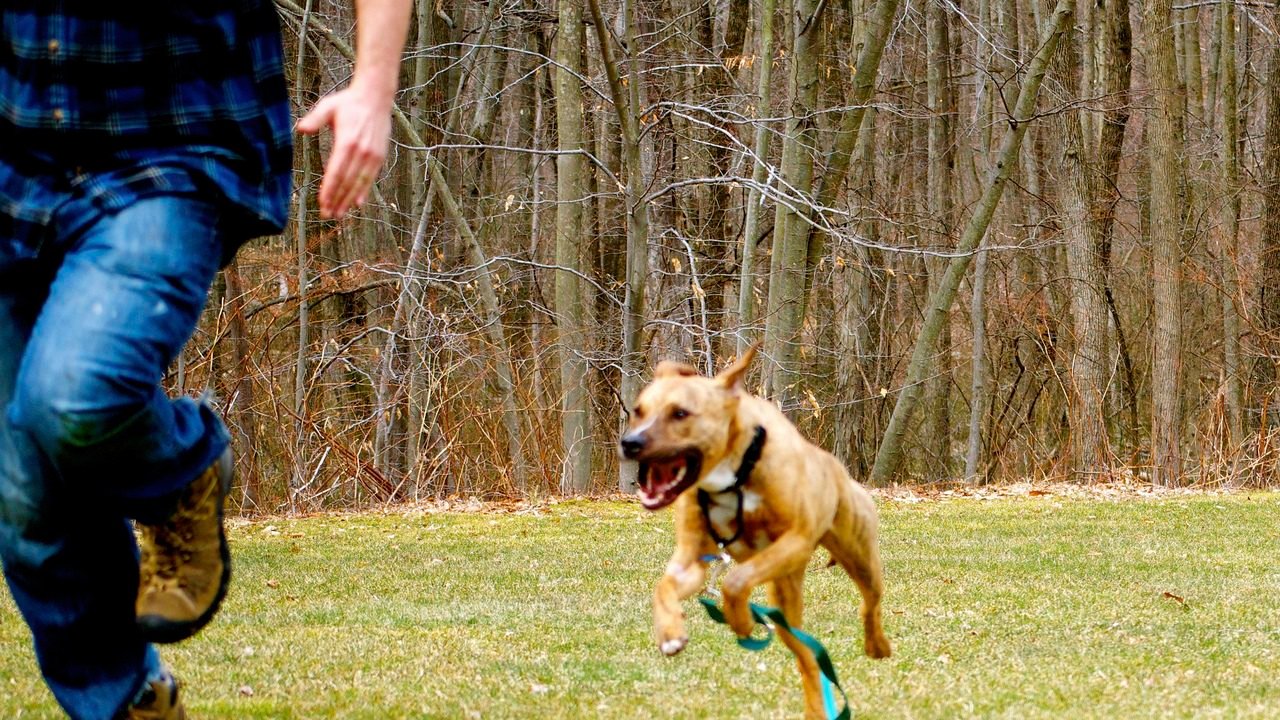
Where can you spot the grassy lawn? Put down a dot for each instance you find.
(1016, 608)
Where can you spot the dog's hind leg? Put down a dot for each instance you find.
(856, 550)
(787, 594)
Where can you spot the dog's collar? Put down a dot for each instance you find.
(749, 460)
(750, 457)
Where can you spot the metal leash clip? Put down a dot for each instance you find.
(717, 565)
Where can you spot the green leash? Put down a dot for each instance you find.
(770, 618)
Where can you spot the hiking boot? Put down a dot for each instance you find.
(186, 565)
(157, 700)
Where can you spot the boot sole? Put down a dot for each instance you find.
(162, 631)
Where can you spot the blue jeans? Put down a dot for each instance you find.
(89, 321)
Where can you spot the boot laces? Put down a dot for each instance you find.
(174, 540)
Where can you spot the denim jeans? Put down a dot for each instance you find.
(89, 321)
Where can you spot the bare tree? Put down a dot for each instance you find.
(941, 211)
(789, 258)
(890, 453)
(1090, 456)
(575, 395)
(759, 174)
(1230, 228)
(1164, 148)
(626, 101)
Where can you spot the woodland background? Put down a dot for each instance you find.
(981, 240)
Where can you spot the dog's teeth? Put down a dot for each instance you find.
(680, 473)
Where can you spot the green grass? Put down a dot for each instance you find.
(1019, 608)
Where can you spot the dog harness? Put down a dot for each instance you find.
(749, 460)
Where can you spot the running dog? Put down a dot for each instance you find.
(741, 477)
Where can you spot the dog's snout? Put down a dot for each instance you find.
(631, 444)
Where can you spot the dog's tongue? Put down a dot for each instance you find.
(663, 474)
(659, 481)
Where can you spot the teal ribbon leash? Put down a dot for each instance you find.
(769, 618)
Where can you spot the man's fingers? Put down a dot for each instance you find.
(357, 176)
(364, 182)
(347, 182)
(345, 185)
(320, 116)
(335, 172)
(348, 194)
(362, 174)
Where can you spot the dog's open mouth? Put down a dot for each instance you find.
(663, 479)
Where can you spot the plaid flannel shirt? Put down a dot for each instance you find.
(129, 99)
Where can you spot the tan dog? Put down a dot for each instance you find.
(770, 495)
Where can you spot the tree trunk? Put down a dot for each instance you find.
(1270, 240)
(1164, 153)
(856, 312)
(241, 402)
(626, 103)
(978, 395)
(1089, 358)
(1116, 76)
(941, 210)
(575, 402)
(759, 174)
(790, 258)
(1230, 223)
(297, 476)
(1193, 72)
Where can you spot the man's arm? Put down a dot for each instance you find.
(360, 114)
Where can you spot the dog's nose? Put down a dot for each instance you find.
(631, 444)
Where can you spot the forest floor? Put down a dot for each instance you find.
(1027, 604)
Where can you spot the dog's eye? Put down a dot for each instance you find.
(637, 413)
(679, 414)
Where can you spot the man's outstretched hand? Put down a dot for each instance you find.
(361, 124)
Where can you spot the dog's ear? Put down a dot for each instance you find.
(734, 376)
(669, 368)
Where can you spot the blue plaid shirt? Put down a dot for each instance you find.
(122, 100)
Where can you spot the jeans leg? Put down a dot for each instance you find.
(125, 300)
(72, 569)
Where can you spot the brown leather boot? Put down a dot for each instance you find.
(157, 701)
(186, 565)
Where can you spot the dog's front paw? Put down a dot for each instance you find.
(673, 646)
(671, 635)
